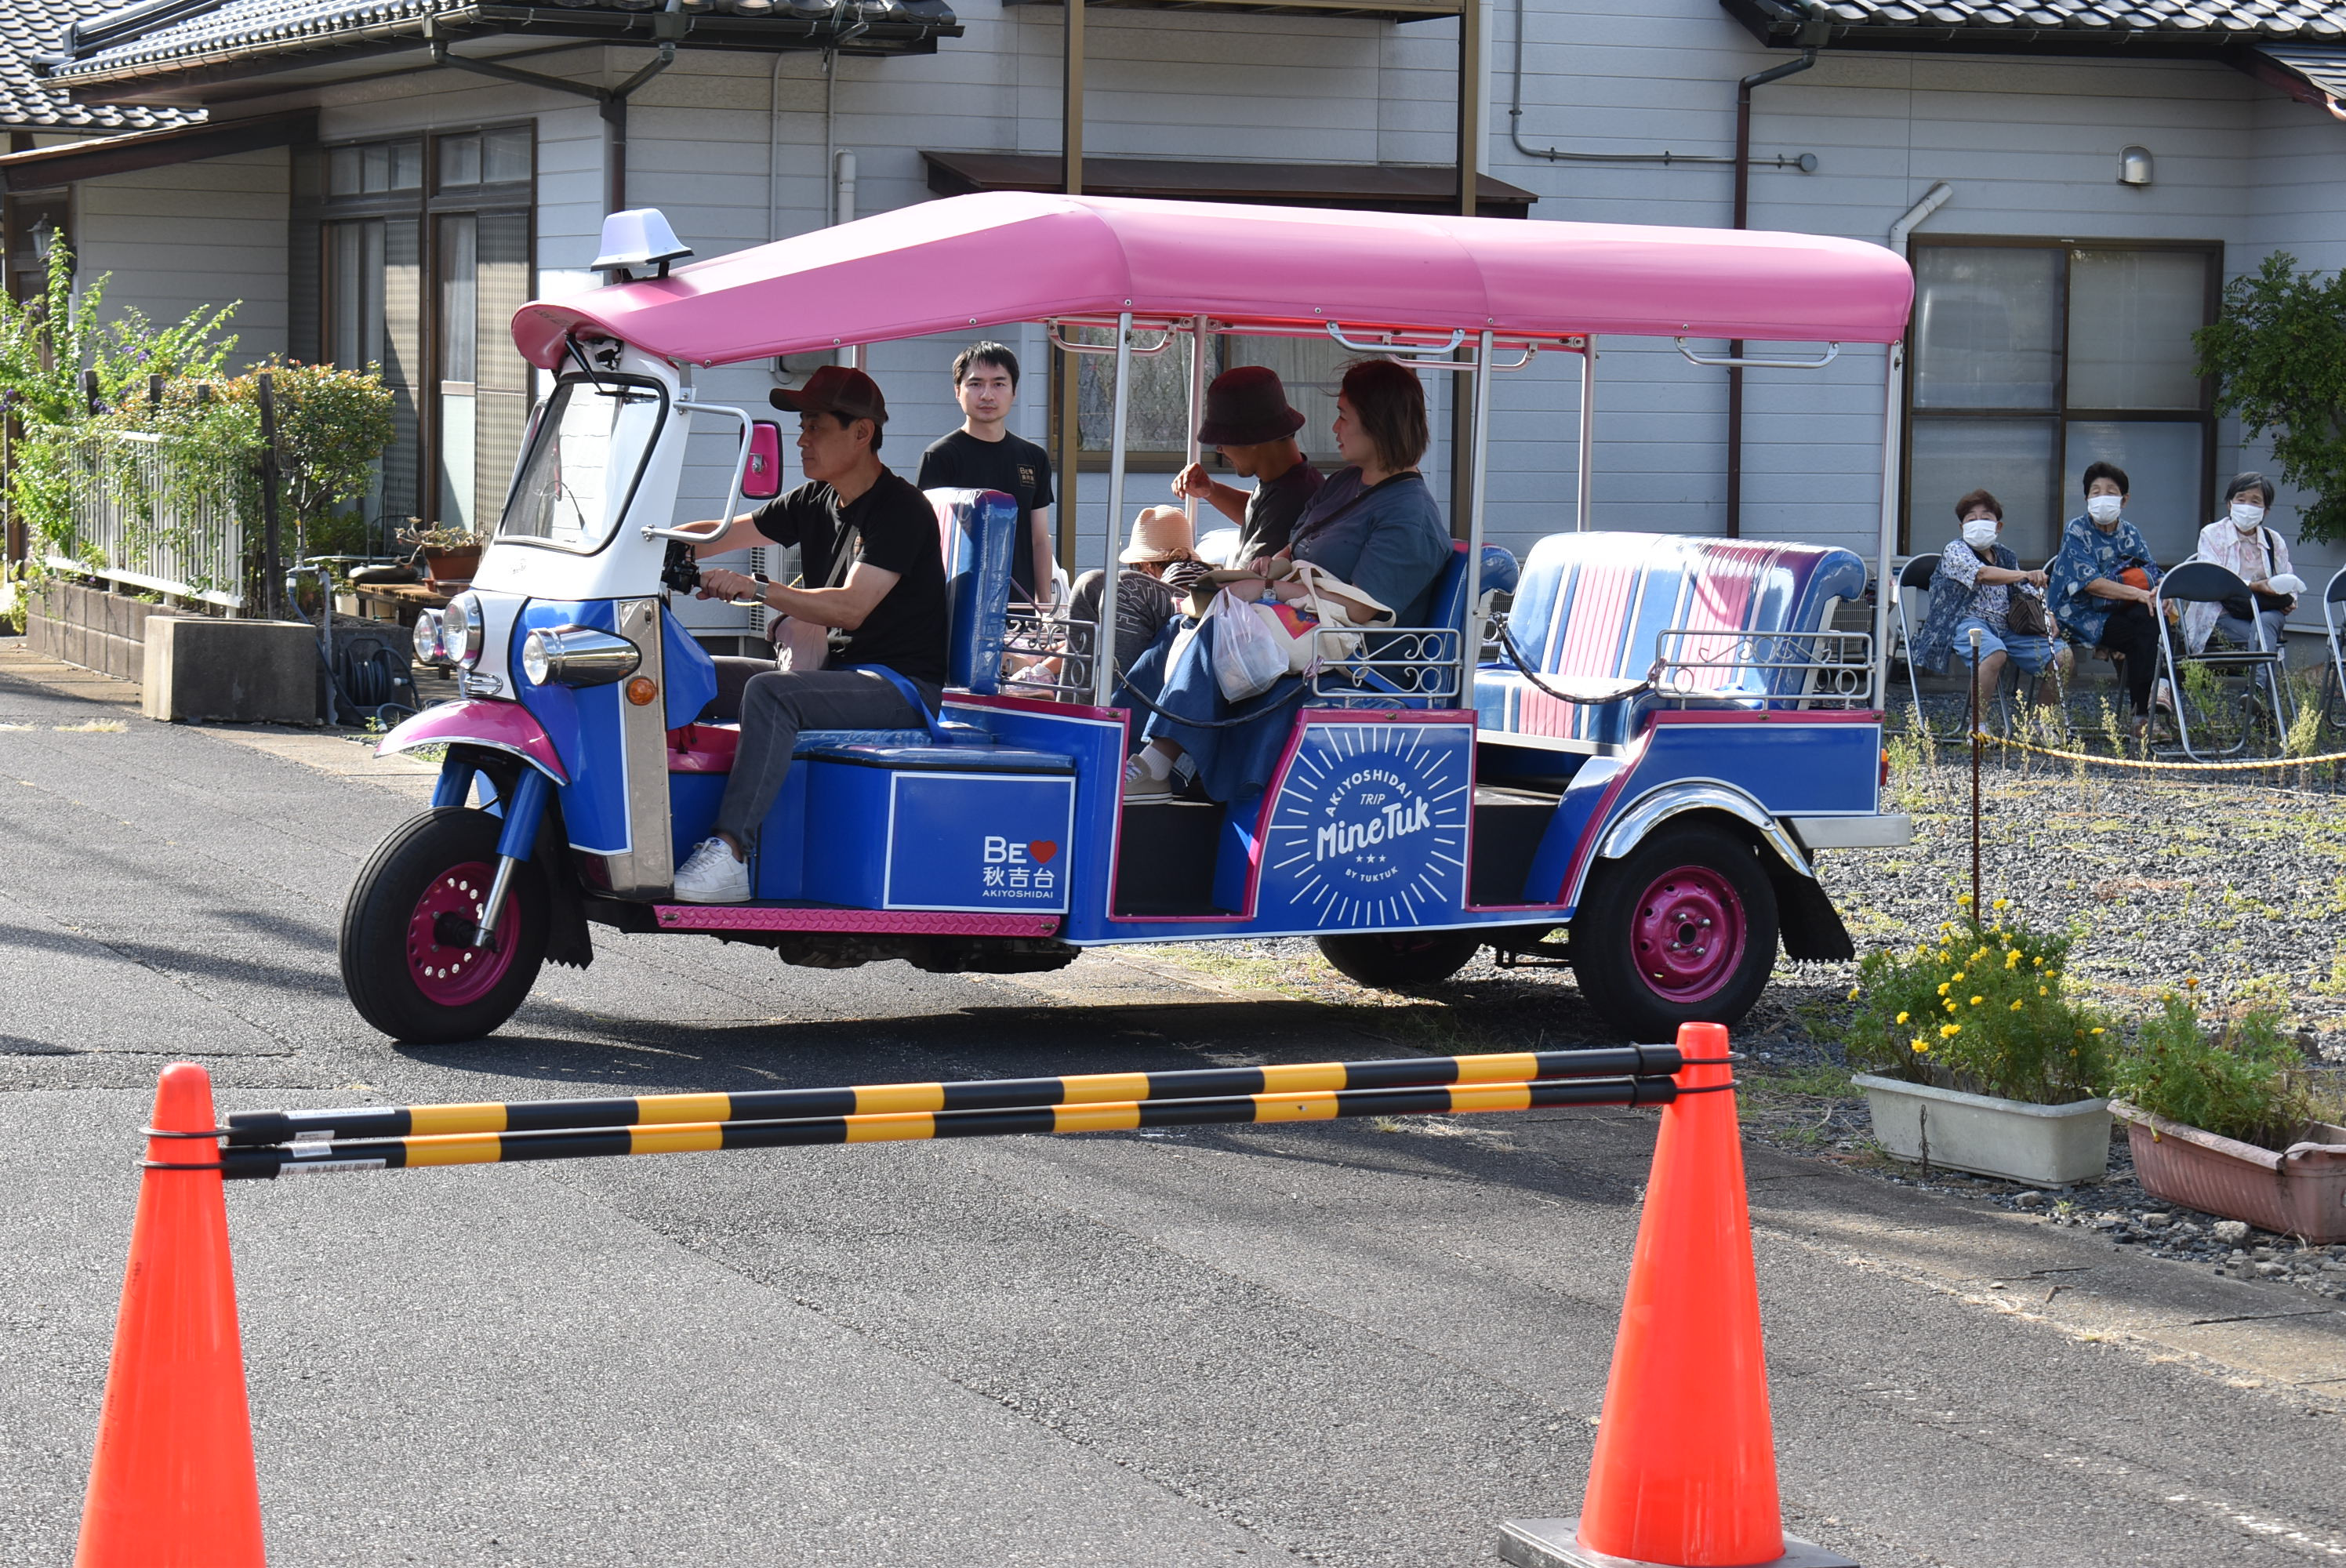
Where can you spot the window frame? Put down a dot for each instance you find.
(318, 210)
(2061, 414)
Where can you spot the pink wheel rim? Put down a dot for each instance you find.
(1688, 934)
(453, 977)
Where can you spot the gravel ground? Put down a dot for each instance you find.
(2238, 885)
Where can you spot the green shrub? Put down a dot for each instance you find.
(1979, 1008)
(2241, 1080)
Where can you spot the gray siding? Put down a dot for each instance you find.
(191, 237)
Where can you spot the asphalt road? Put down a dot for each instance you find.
(1328, 1344)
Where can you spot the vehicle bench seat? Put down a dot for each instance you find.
(1448, 609)
(709, 748)
(1591, 608)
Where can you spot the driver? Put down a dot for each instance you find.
(857, 526)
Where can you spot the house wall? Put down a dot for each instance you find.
(732, 148)
(192, 236)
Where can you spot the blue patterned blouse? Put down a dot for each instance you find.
(2087, 552)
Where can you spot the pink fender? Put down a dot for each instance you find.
(497, 726)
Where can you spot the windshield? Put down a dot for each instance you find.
(591, 443)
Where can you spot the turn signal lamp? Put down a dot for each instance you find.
(641, 690)
(578, 656)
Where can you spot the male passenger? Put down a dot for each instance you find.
(984, 456)
(870, 539)
(1248, 421)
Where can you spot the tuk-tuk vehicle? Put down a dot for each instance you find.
(1630, 770)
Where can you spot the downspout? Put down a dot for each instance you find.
(667, 27)
(1894, 431)
(1742, 215)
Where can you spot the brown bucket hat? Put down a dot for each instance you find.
(1246, 407)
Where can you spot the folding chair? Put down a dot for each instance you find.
(2332, 598)
(1916, 574)
(2205, 583)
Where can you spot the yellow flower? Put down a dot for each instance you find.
(2044, 991)
(1944, 984)
(1950, 1004)
(1852, 993)
(2097, 1032)
(1957, 976)
(2016, 1005)
(1921, 1046)
(2191, 982)
(1902, 1018)
(2040, 963)
(1949, 1031)
(1964, 900)
(2002, 904)
(1977, 1000)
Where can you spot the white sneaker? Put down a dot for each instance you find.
(712, 876)
(1142, 786)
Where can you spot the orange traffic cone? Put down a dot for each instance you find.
(172, 1484)
(1684, 1471)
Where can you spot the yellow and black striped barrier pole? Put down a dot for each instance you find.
(375, 1122)
(320, 1156)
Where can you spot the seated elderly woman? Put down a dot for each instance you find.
(2241, 543)
(2102, 583)
(1372, 526)
(1980, 586)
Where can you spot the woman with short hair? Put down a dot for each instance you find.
(2242, 544)
(1373, 526)
(1978, 588)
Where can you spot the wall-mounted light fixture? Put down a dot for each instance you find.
(2134, 166)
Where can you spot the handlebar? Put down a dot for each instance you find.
(681, 572)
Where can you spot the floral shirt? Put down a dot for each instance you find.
(2086, 553)
(1958, 592)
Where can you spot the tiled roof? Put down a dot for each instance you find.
(29, 27)
(2213, 23)
(2325, 69)
(158, 31)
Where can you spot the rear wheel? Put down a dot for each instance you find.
(407, 961)
(1681, 929)
(1401, 960)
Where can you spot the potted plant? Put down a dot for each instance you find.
(451, 556)
(1971, 1057)
(2227, 1121)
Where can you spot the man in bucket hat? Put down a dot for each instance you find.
(1249, 421)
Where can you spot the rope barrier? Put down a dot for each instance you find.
(2189, 767)
(370, 1121)
(247, 1163)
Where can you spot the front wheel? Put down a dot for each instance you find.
(1400, 960)
(1681, 929)
(406, 963)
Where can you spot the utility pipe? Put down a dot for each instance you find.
(1893, 433)
(1741, 220)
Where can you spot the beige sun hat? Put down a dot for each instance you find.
(1159, 534)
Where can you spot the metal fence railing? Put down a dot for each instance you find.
(132, 524)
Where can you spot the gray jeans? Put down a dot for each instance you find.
(2242, 633)
(774, 708)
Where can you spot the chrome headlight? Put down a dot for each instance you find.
(430, 647)
(578, 656)
(461, 630)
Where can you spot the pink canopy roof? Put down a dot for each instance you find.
(981, 260)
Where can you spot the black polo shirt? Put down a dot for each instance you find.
(906, 629)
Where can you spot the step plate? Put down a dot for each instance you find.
(896, 923)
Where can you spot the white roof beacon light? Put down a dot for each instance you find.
(639, 237)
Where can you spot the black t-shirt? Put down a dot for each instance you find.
(906, 629)
(1019, 469)
(1272, 509)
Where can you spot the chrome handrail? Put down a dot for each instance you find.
(1823, 669)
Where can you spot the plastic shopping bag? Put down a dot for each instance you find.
(1249, 656)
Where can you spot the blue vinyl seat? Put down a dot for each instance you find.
(1591, 609)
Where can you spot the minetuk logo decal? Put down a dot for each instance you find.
(1369, 827)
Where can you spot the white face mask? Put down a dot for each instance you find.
(1980, 533)
(2245, 516)
(2105, 508)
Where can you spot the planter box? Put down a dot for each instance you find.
(451, 567)
(88, 626)
(2049, 1145)
(2300, 1191)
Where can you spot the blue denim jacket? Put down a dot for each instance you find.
(1391, 545)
